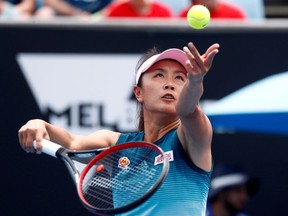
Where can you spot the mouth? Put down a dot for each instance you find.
(168, 97)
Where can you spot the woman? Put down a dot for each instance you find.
(168, 88)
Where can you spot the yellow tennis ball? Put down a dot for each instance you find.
(198, 17)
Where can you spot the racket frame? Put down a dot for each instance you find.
(137, 202)
(94, 155)
(66, 155)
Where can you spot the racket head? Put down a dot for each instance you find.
(122, 177)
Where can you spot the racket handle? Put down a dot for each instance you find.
(48, 147)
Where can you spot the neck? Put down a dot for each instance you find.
(154, 131)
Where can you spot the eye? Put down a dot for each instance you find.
(180, 78)
(159, 75)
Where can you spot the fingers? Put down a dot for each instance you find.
(26, 139)
(22, 140)
(210, 54)
(191, 50)
(23, 137)
(38, 143)
(193, 56)
(211, 49)
(194, 52)
(195, 66)
(30, 132)
(210, 58)
(198, 64)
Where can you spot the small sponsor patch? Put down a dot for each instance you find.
(123, 162)
(159, 158)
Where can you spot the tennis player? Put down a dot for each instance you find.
(168, 87)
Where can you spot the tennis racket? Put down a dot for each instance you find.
(113, 180)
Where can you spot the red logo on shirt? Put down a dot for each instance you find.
(159, 158)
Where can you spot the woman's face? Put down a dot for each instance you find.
(161, 86)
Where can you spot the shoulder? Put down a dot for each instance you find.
(130, 137)
(103, 138)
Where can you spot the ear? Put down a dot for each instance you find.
(138, 93)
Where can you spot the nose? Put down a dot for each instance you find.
(168, 86)
(169, 83)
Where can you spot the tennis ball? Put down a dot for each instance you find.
(198, 16)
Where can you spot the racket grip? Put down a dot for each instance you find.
(48, 147)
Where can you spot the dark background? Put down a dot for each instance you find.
(40, 185)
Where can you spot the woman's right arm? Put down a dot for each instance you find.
(38, 129)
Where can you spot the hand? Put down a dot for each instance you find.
(198, 65)
(32, 130)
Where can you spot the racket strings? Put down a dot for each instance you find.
(99, 190)
(129, 177)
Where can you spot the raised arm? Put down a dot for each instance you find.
(38, 129)
(195, 131)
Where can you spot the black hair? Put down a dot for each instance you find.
(149, 53)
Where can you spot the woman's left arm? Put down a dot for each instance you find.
(195, 131)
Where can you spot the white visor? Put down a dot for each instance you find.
(173, 53)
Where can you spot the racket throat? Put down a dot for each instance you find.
(70, 165)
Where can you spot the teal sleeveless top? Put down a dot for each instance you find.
(185, 190)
